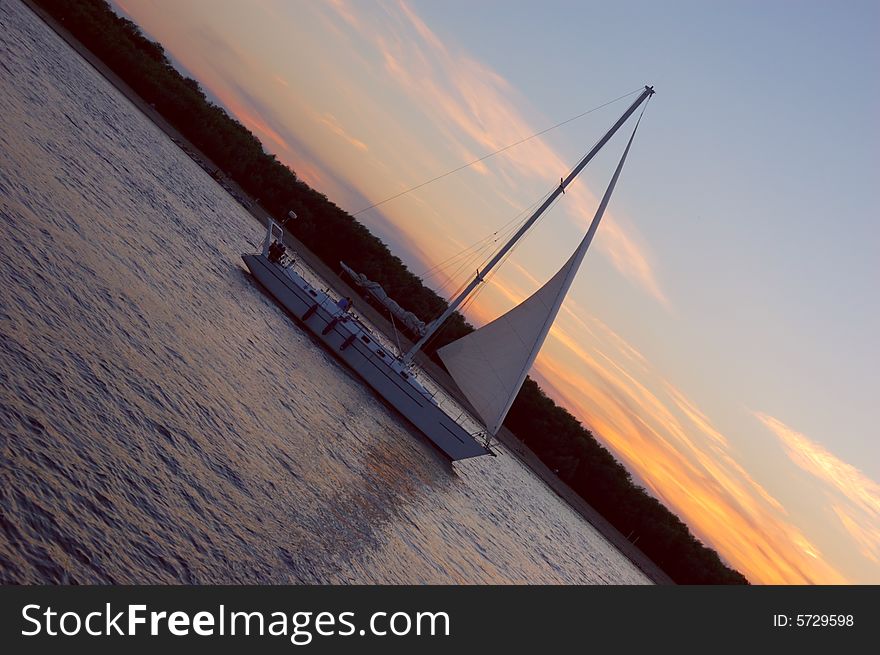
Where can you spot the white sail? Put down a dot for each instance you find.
(490, 364)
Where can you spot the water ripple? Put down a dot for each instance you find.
(161, 420)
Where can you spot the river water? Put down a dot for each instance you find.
(164, 421)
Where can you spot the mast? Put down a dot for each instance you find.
(481, 275)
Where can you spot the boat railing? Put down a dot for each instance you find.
(291, 260)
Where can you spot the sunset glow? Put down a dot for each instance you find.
(684, 346)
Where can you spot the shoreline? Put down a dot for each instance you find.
(516, 447)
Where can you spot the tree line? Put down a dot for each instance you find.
(555, 436)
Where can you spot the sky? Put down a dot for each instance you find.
(720, 337)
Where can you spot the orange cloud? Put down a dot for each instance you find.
(475, 108)
(715, 496)
(333, 124)
(855, 496)
(839, 475)
(310, 174)
(673, 447)
(669, 443)
(253, 122)
(866, 534)
(696, 416)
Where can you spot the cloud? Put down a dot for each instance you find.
(855, 498)
(476, 110)
(631, 259)
(687, 464)
(334, 126)
(866, 535)
(674, 449)
(845, 478)
(696, 416)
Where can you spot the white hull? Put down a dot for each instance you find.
(346, 338)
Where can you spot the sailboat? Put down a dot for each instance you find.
(489, 365)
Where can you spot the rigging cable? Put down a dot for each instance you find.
(477, 258)
(491, 273)
(489, 276)
(528, 210)
(473, 255)
(492, 154)
(480, 288)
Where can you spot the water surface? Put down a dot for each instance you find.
(164, 421)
